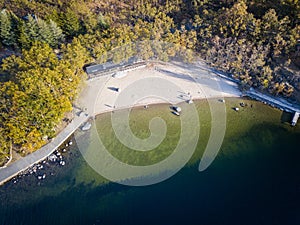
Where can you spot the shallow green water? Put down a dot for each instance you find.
(255, 178)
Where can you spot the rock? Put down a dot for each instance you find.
(52, 158)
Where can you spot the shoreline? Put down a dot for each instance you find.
(94, 105)
(40, 168)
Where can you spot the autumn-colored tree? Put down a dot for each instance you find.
(273, 31)
(42, 91)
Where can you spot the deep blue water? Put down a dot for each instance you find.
(252, 181)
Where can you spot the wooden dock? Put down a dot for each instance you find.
(295, 118)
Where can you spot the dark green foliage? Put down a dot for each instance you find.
(70, 23)
(36, 29)
(7, 32)
(56, 32)
(24, 32)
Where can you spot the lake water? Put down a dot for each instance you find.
(255, 179)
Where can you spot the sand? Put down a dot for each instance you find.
(158, 83)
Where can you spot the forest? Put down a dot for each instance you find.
(46, 43)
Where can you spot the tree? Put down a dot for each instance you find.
(41, 93)
(31, 27)
(233, 22)
(44, 32)
(29, 31)
(75, 55)
(6, 29)
(274, 31)
(70, 22)
(37, 29)
(57, 34)
(24, 38)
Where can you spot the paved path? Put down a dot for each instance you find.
(275, 102)
(22, 164)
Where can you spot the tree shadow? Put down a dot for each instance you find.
(177, 75)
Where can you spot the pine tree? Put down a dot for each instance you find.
(44, 32)
(29, 32)
(57, 34)
(24, 38)
(32, 27)
(71, 23)
(6, 31)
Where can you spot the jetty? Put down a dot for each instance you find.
(295, 118)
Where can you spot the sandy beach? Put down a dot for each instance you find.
(171, 82)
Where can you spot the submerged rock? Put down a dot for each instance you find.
(52, 158)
